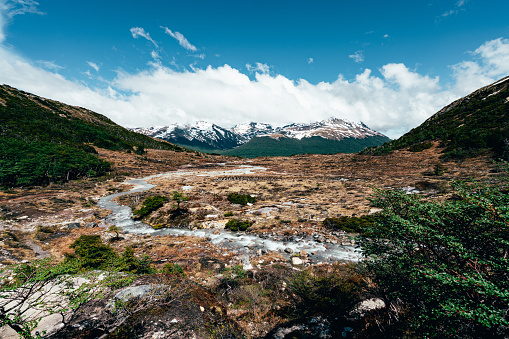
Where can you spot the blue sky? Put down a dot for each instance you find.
(389, 64)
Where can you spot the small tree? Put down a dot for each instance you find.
(179, 198)
(445, 263)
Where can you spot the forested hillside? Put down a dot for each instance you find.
(45, 141)
(468, 126)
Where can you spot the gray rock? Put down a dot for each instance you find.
(72, 225)
(91, 225)
(288, 250)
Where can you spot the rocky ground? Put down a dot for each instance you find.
(294, 195)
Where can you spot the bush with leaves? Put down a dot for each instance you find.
(445, 263)
(237, 225)
(242, 199)
(150, 205)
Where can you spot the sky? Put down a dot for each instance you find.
(389, 64)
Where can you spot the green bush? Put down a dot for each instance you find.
(241, 199)
(237, 225)
(350, 224)
(170, 268)
(150, 205)
(444, 263)
(91, 253)
(228, 214)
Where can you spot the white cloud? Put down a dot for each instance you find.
(93, 65)
(49, 65)
(258, 68)
(358, 57)
(386, 36)
(393, 101)
(155, 55)
(11, 8)
(457, 8)
(138, 31)
(181, 39)
(310, 60)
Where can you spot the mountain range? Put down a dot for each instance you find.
(259, 139)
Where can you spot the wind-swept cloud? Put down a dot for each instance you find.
(49, 65)
(258, 68)
(181, 39)
(138, 31)
(457, 8)
(358, 57)
(310, 60)
(93, 65)
(11, 8)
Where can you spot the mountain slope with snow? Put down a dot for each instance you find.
(205, 136)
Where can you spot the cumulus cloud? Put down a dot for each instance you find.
(93, 65)
(310, 60)
(181, 39)
(392, 99)
(358, 57)
(258, 68)
(138, 31)
(386, 36)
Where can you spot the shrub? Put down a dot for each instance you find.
(91, 253)
(445, 262)
(128, 262)
(228, 214)
(237, 225)
(170, 268)
(242, 199)
(349, 224)
(150, 205)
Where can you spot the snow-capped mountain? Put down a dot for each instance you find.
(201, 134)
(252, 129)
(206, 135)
(332, 129)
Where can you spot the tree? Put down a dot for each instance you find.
(179, 198)
(445, 263)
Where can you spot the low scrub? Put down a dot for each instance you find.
(150, 205)
(241, 199)
(237, 225)
(350, 224)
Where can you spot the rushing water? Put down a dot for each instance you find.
(240, 243)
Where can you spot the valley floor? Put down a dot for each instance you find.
(294, 195)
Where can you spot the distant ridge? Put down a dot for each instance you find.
(328, 136)
(473, 124)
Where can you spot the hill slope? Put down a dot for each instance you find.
(46, 141)
(472, 124)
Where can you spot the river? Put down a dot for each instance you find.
(244, 244)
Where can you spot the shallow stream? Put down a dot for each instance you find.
(241, 243)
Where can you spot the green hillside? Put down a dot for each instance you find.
(476, 123)
(267, 146)
(45, 141)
